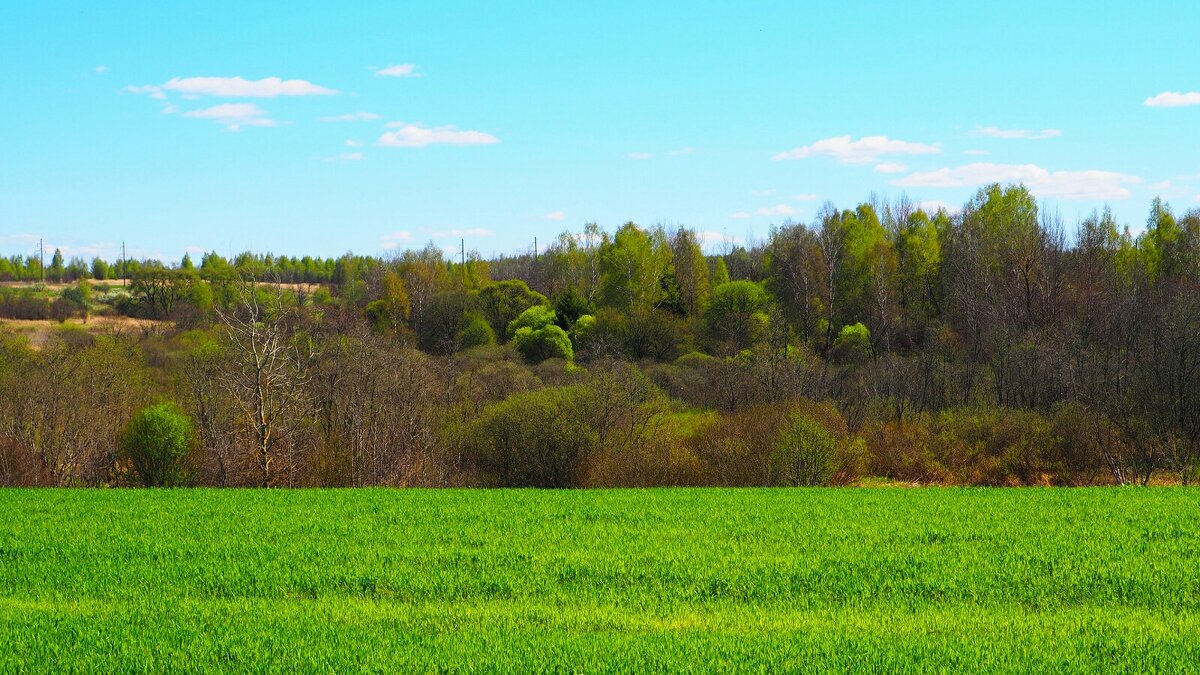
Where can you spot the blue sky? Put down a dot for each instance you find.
(220, 126)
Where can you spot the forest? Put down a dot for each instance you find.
(881, 343)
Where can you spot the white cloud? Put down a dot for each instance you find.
(866, 150)
(739, 215)
(234, 115)
(976, 153)
(398, 70)
(555, 215)
(351, 143)
(1173, 99)
(351, 156)
(891, 167)
(236, 87)
(1025, 134)
(100, 70)
(777, 210)
(1082, 185)
(761, 193)
(393, 240)
(467, 232)
(1161, 185)
(351, 117)
(639, 155)
(416, 136)
(169, 109)
(152, 90)
(932, 206)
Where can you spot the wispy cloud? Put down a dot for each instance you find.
(100, 70)
(398, 70)
(976, 153)
(891, 167)
(640, 155)
(777, 210)
(866, 150)
(1071, 185)
(416, 136)
(351, 143)
(344, 157)
(934, 205)
(232, 87)
(234, 116)
(806, 197)
(392, 241)
(739, 215)
(351, 117)
(555, 215)
(1173, 99)
(682, 151)
(1023, 134)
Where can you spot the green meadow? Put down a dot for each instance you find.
(623, 580)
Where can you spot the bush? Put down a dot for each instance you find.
(534, 439)
(477, 334)
(534, 318)
(804, 454)
(546, 342)
(157, 441)
(853, 344)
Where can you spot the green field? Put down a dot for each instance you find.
(402, 580)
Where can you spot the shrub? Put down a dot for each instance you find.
(534, 318)
(533, 439)
(804, 454)
(546, 342)
(477, 334)
(853, 344)
(157, 441)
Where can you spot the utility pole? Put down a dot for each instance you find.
(535, 251)
(462, 252)
(124, 266)
(42, 261)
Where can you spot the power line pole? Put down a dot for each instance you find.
(124, 266)
(42, 261)
(535, 251)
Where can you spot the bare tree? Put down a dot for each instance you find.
(267, 373)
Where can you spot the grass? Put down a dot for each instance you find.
(403, 580)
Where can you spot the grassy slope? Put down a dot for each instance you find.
(666, 579)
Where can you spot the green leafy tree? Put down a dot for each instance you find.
(720, 273)
(157, 441)
(503, 301)
(735, 318)
(56, 269)
(547, 342)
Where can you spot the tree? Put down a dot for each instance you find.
(55, 272)
(266, 374)
(157, 441)
(735, 317)
(543, 343)
(503, 301)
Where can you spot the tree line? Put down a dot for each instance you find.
(984, 347)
